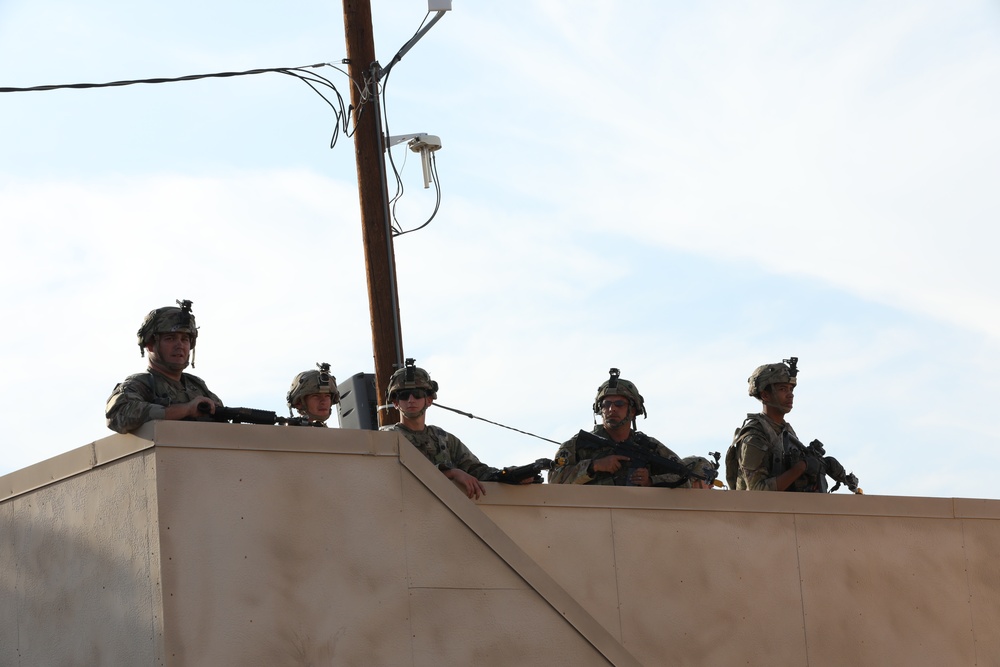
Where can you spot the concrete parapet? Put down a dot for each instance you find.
(218, 544)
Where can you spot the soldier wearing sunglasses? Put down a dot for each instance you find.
(594, 461)
(411, 391)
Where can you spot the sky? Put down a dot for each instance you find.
(681, 191)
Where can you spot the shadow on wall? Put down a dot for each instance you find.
(66, 599)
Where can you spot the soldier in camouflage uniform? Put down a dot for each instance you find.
(163, 392)
(756, 459)
(411, 391)
(619, 403)
(313, 394)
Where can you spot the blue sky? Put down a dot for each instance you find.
(682, 192)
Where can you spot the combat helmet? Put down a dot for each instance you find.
(313, 382)
(410, 377)
(615, 386)
(769, 374)
(702, 468)
(169, 319)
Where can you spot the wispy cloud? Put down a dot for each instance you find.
(682, 193)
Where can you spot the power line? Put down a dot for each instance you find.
(312, 79)
(189, 77)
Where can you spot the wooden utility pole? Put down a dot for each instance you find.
(380, 259)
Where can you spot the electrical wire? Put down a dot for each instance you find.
(341, 113)
(472, 416)
(396, 226)
(437, 203)
(314, 80)
(129, 82)
(394, 222)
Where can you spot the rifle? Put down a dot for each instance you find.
(830, 467)
(517, 474)
(253, 416)
(639, 457)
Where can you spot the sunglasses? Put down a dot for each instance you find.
(405, 394)
(606, 405)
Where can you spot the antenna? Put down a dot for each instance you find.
(422, 143)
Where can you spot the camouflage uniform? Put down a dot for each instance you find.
(757, 455)
(760, 452)
(445, 450)
(572, 462)
(144, 396)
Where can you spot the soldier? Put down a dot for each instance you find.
(313, 394)
(703, 471)
(163, 392)
(756, 460)
(618, 402)
(411, 391)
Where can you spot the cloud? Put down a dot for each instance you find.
(682, 197)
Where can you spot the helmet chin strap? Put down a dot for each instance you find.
(413, 415)
(777, 406)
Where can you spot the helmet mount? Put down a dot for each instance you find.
(616, 386)
(613, 375)
(768, 374)
(410, 376)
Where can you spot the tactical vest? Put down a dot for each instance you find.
(163, 398)
(753, 422)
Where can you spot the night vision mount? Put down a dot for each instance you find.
(411, 363)
(185, 306)
(324, 374)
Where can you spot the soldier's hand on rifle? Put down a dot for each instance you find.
(472, 486)
(189, 409)
(785, 479)
(611, 463)
(640, 477)
(814, 468)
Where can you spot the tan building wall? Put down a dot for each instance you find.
(255, 545)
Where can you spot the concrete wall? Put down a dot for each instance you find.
(726, 578)
(254, 545)
(78, 561)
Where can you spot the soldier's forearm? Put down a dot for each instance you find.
(787, 478)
